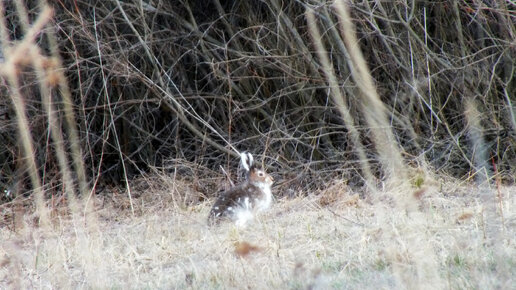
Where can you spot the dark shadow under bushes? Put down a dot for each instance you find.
(159, 80)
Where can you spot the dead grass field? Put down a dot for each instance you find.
(445, 242)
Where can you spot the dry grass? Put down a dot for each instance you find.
(362, 244)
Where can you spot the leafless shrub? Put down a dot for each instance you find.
(159, 80)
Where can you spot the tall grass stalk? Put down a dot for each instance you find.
(339, 98)
(15, 55)
(373, 108)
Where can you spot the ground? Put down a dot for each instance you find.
(447, 239)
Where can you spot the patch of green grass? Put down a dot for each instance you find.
(381, 265)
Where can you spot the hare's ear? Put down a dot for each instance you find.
(247, 160)
(251, 159)
(246, 163)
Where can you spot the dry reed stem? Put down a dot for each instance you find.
(339, 98)
(46, 74)
(49, 75)
(373, 108)
(480, 157)
(483, 175)
(70, 117)
(15, 55)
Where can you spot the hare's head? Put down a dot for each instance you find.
(254, 175)
(259, 177)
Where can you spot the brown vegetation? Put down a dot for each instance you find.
(193, 81)
(391, 124)
(299, 244)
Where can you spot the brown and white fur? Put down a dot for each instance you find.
(242, 201)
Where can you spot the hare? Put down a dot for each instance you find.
(239, 202)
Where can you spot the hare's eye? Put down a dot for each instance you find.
(260, 173)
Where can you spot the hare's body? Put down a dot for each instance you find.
(240, 202)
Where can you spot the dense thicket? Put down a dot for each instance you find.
(164, 83)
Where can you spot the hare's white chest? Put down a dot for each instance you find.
(264, 202)
(248, 205)
(243, 213)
